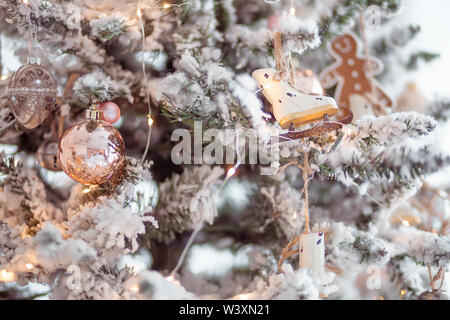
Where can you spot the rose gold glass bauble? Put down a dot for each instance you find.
(32, 95)
(47, 155)
(91, 151)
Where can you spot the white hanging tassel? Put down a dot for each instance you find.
(312, 251)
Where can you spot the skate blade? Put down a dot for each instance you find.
(303, 117)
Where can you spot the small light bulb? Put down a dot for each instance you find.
(243, 296)
(6, 276)
(29, 266)
(231, 172)
(134, 288)
(24, 234)
(402, 292)
(150, 121)
(292, 11)
(170, 278)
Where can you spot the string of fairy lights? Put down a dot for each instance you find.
(9, 276)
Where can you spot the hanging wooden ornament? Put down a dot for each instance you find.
(311, 245)
(32, 94)
(312, 251)
(355, 87)
(291, 106)
(91, 151)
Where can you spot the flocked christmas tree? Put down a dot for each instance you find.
(103, 196)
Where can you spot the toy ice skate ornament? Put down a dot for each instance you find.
(293, 108)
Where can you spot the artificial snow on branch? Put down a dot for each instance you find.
(187, 201)
(109, 27)
(96, 86)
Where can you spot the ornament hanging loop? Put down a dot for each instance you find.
(283, 64)
(94, 113)
(33, 60)
(440, 275)
(32, 42)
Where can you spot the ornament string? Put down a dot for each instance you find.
(283, 65)
(440, 275)
(147, 93)
(32, 43)
(308, 174)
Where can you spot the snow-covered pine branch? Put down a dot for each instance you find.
(187, 201)
(96, 86)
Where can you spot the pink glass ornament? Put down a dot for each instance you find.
(110, 112)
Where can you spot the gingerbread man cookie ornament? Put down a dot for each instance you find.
(350, 74)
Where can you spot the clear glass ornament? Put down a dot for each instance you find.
(91, 151)
(146, 194)
(32, 94)
(47, 155)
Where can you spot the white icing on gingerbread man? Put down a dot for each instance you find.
(349, 72)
